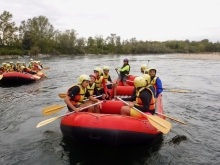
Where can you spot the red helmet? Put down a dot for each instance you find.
(93, 75)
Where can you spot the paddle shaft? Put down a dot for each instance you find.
(55, 118)
(141, 112)
(171, 118)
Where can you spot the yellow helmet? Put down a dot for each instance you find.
(11, 62)
(139, 82)
(153, 69)
(146, 77)
(143, 66)
(105, 68)
(8, 65)
(22, 67)
(98, 69)
(3, 64)
(18, 62)
(82, 78)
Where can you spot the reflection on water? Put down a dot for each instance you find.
(197, 143)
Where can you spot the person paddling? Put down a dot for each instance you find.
(145, 100)
(124, 72)
(77, 93)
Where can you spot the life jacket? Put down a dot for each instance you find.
(105, 77)
(98, 82)
(78, 99)
(35, 67)
(91, 88)
(153, 82)
(152, 101)
(125, 73)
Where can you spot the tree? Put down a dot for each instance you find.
(39, 30)
(7, 29)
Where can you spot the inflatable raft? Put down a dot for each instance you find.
(111, 128)
(17, 78)
(129, 81)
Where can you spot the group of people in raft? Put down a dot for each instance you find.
(32, 68)
(146, 90)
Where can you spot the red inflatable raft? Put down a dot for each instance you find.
(129, 81)
(18, 78)
(110, 128)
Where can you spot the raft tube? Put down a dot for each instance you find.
(109, 127)
(17, 78)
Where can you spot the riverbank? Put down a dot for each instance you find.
(3, 57)
(199, 56)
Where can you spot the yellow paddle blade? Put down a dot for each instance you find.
(159, 123)
(179, 91)
(40, 72)
(47, 121)
(52, 109)
(46, 68)
(62, 95)
(36, 77)
(172, 118)
(1, 76)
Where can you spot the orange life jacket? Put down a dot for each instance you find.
(139, 102)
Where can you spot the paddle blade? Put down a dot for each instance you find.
(52, 109)
(41, 73)
(36, 77)
(159, 123)
(46, 68)
(62, 95)
(1, 76)
(47, 121)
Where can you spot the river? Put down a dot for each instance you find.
(21, 143)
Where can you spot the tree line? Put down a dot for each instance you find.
(37, 35)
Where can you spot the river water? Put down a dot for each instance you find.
(197, 143)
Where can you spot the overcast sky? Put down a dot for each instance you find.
(155, 20)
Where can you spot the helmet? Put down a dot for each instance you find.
(153, 69)
(22, 67)
(11, 62)
(146, 77)
(125, 60)
(3, 64)
(98, 69)
(31, 59)
(105, 68)
(139, 82)
(82, 78)
(23, 63)
(93, 75)
(144, 66)
(8, 65)
(17, 62)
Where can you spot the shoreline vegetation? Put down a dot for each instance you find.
(195, 56)
(37, 37)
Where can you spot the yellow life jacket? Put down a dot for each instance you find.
(78, 99)
(91, 88)
(105, 77)
(139, 102)
(98, 83)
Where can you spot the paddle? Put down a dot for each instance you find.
(63, 95)
(148, 62)
(1, 76)
(55, 118)
(36, 77)
(171, 90)
(46, 68)
(42, 73)
(56, 108)
(52, 109)
(171, 118)
(159, 123)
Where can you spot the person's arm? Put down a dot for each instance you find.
(72, 93)
(145, 97)
(159, 87)
(132, 97)
(126, 68)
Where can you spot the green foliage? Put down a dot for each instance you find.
(37, 35)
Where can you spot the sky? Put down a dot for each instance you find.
(152, 20)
